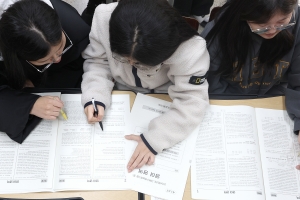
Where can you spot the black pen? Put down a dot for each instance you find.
(96, 112)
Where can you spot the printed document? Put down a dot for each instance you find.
(165, 179)
(68, 154)
(245, 153)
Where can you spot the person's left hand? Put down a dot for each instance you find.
(141, 155)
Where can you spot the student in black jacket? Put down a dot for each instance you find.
(41, 47)
(254, 46)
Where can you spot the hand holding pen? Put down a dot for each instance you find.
(47, 107)
(94, 113)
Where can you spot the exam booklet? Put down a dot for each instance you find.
(246, 153)
(165, 179)
(68, 154)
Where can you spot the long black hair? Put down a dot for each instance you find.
(234, 35)
(28, 29)
(148, 31)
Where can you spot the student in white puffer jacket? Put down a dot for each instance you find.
(146, 46)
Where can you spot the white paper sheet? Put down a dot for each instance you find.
(87, 157)
(226, 163)
(29, 166)
(279, 153)
(167, 177)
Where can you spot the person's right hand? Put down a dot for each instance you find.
(89, 112)
(47, 107)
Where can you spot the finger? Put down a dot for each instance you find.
(151, 160)
(133, 137)
(50, 112)
(100, 112)
(90, 114)
(136, 162)
(298, 167)
(50, 97)
(57, 99)
(55, 113)
(57, 104)
(143, 162)
(55, 109)
(131, 161)
(99, 118)
(49, 117)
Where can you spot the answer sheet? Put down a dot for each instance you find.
(167, 177)
(226, 163)
(279, 153)
(88, 158)
(28, 167)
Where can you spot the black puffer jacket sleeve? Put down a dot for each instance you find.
(15, 118)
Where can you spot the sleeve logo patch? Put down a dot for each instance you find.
(197, 80)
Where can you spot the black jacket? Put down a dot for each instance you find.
(15, 106)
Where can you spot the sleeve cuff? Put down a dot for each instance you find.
(96, 102)
(30, 126)
(17, 103)
(148, 145)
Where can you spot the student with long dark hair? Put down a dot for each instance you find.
(146, 46)
(254, 47)
(41, 45)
